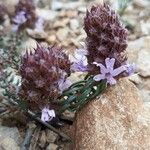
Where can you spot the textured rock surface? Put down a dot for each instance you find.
(139, 53)
(117, 119)
(52, 146)
(9, 138)
(8, 144)
(6, 132)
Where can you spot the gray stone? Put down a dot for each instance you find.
(46, 14)
(42, 140)
(74, 24)
(6, 132)
(51, 136)
(62, 34)
(139, 53)
(8, 144)
(143, 62)
(52, 146)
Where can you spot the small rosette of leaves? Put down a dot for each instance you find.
(41, 71)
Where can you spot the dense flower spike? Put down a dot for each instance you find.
(24, 15)
(106, 37)
(41, 73)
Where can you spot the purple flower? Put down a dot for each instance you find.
(47, 115)
(130, 68)
(64, 84)
(82, 52)
(78, 67)
(79, 64)
(20, 18)
(108, 72)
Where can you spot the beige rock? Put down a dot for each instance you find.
(135, 78)
(10, 5)
(139, 53)
(8, 144)
(145, 94)
(51, 39)
(134, 47)
(141, 3)
(113, 121)
(52, 146)
(46, 14)
(42, 141)
(145, 27)
(41, 35)
(51, 136)
(82, 9)
(143, 62)
(61, 23)
(68, 13)
(62, 34)
(13, 133)
(74, 24)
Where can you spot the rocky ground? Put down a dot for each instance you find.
(64, 26)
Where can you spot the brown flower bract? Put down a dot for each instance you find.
(106, 37)
(41, 72)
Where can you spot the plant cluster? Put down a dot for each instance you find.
(44, 71)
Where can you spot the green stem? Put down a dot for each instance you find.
(80, 93)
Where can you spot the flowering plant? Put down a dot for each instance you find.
(44, 71)
(105, 52)
(24, 15)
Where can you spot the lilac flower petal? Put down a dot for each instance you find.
(109, 72)
(82, 52)
(63, 85)
(110, 63)
(78, 67)
(67, 84)
(107, 62)
(130, 68)
(51, 113)
(20, 18)
(117, 71)
(103, 69)
(111, 80)
(47, 115)
(99, 77)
